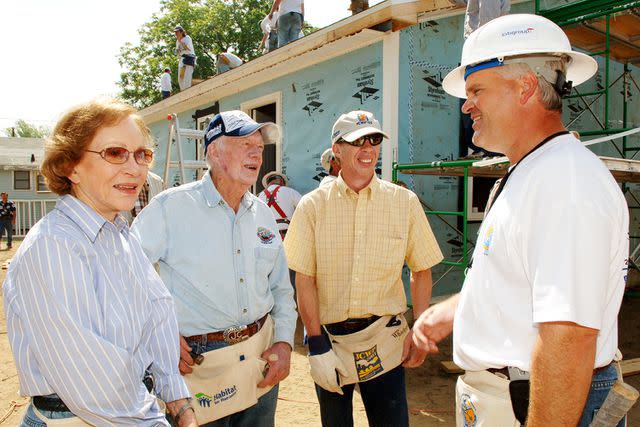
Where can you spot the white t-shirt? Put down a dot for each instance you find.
(165, 82)
(181, 49)
(287, 198)
(287, 6)
(266, 25)
(553, 247)
(234, 61)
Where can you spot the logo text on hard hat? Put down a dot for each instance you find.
(517, 32)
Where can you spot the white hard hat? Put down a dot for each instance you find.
(325, 159)
(268, 177)
(515, 35)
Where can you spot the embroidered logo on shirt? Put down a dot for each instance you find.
(468, 410)
(368, 363)
(265, 235)
(486, 242)
(203, 400)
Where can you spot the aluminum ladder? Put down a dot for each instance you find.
(176, 136)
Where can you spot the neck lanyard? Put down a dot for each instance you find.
(504, 179)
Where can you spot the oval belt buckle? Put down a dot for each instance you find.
(234, 334)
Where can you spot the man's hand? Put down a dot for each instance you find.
(435, 324)
(186, 362)
(278, 357)
(412, 355)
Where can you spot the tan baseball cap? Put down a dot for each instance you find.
(354, 125)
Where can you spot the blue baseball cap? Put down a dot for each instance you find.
(238, 124)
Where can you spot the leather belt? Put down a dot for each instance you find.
(504, 372)
(232, 335)
(350, 326)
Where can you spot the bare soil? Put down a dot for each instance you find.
(430, 389)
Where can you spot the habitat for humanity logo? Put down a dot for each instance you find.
(517, 32)
(225, 394)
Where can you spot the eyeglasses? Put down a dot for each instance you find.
(375, 139)
(120, 155)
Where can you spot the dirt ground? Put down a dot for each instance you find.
(430, 389)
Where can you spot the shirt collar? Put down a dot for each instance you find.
(213, 197)
(369, 190)
(89, 221)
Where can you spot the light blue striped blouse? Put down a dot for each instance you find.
(86, 314)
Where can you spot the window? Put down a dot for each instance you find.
(41, 185)
(21, 180)
(477, 196)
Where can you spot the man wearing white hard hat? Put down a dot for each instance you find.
(348, 241)
(281, 199)
(221, 257)
(331, 165)
(535, 325)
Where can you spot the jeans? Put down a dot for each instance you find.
(31, 419)
(273, 40)
(262, 414)
(166, 94)
(289, 27)
(384, 398)
(6, 224)
(601, 383)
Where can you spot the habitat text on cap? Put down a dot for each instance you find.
(354, 125)
(514, 38)
(238, 124)
(271, 176)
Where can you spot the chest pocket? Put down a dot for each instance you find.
(265, 262)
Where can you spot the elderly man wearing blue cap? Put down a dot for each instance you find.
(221, 256)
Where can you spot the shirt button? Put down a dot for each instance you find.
(238, 251)
(116, 253)
(244, 310)
(241, 280)
(357, 279)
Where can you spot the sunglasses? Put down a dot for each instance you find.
(374, 140)
(120, 155)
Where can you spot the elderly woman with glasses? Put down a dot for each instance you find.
(88, 318)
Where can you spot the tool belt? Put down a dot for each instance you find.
(226, 381)
(232, 335)
(368, 347)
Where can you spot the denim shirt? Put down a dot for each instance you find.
(223, 269)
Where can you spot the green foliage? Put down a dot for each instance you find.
(23, 129)
(215, 26)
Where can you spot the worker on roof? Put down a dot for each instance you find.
(535, 325)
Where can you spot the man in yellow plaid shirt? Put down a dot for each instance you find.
(348, 242)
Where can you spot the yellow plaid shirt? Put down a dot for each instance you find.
(355, 245)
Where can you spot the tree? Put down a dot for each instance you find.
(215, 26)
(24, 129)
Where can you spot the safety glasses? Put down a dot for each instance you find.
(120, 155)
(375, 139)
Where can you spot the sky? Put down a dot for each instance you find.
(63, 52)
